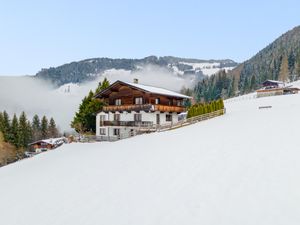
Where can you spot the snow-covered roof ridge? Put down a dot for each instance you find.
(275, 81)
(157, 90)
(49, 141)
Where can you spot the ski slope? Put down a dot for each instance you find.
(239, 169)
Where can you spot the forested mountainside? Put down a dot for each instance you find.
(85, 70)
(280, 60)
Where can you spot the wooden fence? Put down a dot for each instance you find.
(192, 120)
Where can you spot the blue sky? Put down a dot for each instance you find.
(39, 34)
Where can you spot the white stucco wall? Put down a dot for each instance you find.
(126, 116)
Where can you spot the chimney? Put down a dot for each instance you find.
(135, 80)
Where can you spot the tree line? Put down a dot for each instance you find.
(203, 108)
(19, 131)
(220, 85)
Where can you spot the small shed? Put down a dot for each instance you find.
(47, 144)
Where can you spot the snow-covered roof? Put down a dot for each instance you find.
(158, 90)
(274, 81)
(151, 89)
(50, 141)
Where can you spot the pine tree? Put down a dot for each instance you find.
(53, 131)
(44, 128)
(102, 85)
(297, 66)
(85, 119)
(1, 122)
(221, 102)
(15, 131)
(253, 83)
(23, 131)
(6, 127)
(246, 86)
(284, 69)
(36, 128)
(30, 132)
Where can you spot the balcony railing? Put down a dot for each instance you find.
(144, 107)
(169, 108)
(127, 123)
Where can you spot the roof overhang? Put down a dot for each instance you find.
(105, 91)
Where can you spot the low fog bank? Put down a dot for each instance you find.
(34, 96)
(152, 75)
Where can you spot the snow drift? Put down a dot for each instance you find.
(241, 168)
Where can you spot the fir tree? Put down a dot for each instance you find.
(102, 85)
(221, 102)
(253, 83)
(15, 131)
(6, 127)
(284, 69)
(1, 122)
(23, 131)
(30, 132)
(53, 131)
(85, 118)
(44, 128)
(297, 66)
(246, 86)
(36, 128)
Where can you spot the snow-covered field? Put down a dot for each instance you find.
(207, 68)
(238, 169)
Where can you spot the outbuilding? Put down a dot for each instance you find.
(47, 144)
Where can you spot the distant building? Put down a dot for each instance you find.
(47, 144)
(132, 108)
(273, 87)
(269, 84)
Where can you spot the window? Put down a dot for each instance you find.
(102, 119)
(138, 101)
(169, 117)
(117, 132)
(118, 101)
(157, 101)
(102, 131)
(138, 117)
(116, 117)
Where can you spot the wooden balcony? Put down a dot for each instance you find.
(169, 108)
(144, 107)
(121, 108)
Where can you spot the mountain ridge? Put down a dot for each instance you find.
(88, 69)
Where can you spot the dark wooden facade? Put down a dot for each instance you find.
(41, 144)
(271, 83)
(128, 94)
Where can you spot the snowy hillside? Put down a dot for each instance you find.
(207, 68)
(241, 168)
